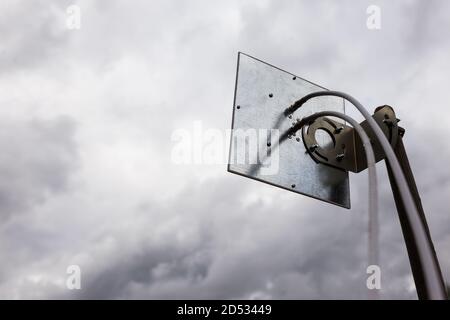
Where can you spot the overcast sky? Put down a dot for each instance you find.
(86, 120)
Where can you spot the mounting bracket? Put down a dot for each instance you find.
(346, 150)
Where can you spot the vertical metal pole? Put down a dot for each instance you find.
(417, 269)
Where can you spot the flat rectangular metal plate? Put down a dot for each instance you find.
(262, 94)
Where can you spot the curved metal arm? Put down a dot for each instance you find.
(435, 288)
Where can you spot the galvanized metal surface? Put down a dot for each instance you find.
(262, 94)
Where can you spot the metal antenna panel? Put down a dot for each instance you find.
(262, 93)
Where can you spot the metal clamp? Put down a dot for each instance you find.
(346, 149)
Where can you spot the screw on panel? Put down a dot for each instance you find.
(298, 139)
(293, 186)
(340, 156)
(294, 78)
(238, 107)
(270, 95)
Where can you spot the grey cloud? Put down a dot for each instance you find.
(235, 254)
(216, 237)
(33, 34)
(37, 158)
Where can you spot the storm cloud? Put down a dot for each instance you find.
(86, 176)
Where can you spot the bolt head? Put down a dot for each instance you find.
(338, 129)
(313, 148)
